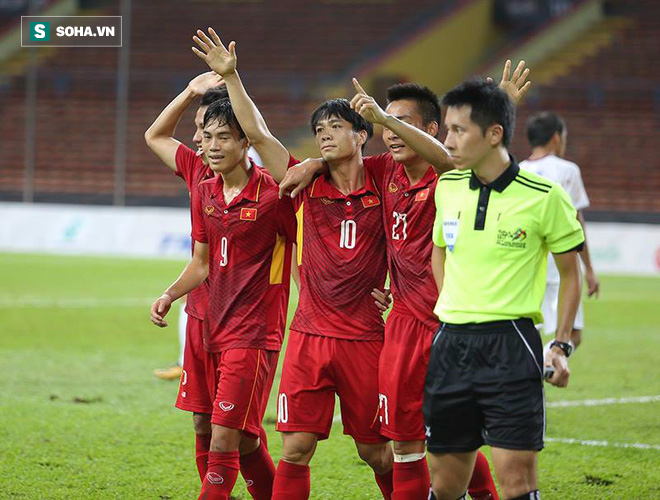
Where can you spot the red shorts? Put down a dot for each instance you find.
(244, 378)
(197, 386)
(315, 369)
(402, 373)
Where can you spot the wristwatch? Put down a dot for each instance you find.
(567, 347)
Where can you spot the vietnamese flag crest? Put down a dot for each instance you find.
(423, 195)
(370, 201)
(248, 214)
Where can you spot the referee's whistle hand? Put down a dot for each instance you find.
(159, 309)
(559, 361)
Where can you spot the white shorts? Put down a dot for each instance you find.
(549, 309)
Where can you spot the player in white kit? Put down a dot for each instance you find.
(547, 134)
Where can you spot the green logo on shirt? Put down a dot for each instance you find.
(512, 239)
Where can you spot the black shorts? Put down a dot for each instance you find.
(484, 385)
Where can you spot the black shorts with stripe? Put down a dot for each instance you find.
(484, 385)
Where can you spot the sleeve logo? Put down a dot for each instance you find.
(248, 214)
(370, 201)
(450, 233)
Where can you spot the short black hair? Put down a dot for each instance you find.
(542, 126)
(427, 102)
(214, 94)
(222, 112)
(490, 105)
(341, 108)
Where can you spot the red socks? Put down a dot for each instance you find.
(291, 482)
(411, 480)
(202, 446)
(482, 486)
(258, 470)
(385, 483)
(220, 476)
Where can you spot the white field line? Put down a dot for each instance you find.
(584, 402)
(602, 402)
(603, 444)
(72, 303)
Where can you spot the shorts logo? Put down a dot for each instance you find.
(423, 195)
(249, 483)
(512, 239)
(248, 214)
(428, 431)
(370, 201)
(392, 188)
(209, 210)
(226, 406)
(214, 478)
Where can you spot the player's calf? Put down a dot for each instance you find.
(516, 471)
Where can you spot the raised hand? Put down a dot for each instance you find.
(201, 83)
(366, 105)
(515, 86)
(220, 59)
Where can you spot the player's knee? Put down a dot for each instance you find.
(378, 456)
(202, 423)
(298, 448)
(248, 445)
(515, 482)
(443, 490)
(224, 439)
(405, 448)
(576, 338)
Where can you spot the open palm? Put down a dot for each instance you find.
(220, 59)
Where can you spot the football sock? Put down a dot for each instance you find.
(202, 446)
(385, 483)
(258, 470)
(291, 482)
(482, 486)
(220, 476)
(411, 480)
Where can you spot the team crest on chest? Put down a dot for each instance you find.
(423, 195)
(327, 201)
(248, 214)
(370, 201)
(392, 188)
(209, 209)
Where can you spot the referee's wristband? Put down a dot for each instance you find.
(566, 347)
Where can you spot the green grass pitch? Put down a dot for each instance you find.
(82, 416)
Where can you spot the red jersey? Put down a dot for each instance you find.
(408, 214)
(249, 262)
(341, 251)
(191, 168)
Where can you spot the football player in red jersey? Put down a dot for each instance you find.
(243, 234)
(336, 335)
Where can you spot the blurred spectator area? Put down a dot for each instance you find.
(287, 51)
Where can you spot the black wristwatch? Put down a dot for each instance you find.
(567, 347)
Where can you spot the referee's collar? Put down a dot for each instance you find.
(502, 182)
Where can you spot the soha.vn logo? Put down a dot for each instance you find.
(512, 239)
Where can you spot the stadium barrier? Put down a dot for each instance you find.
(616, 248)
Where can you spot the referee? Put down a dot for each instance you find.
(493, 229)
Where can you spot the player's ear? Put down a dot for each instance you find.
(495, 134)
(432, 129)
(362, 137)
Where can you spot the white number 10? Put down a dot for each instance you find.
(348, 234)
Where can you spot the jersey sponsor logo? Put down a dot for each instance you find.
(450, 233)
(226, 406)
(214, 478)
(370, 201)
(512, 239)
(209, 209)
(423, 195)
(392, 188)
(248, 214)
